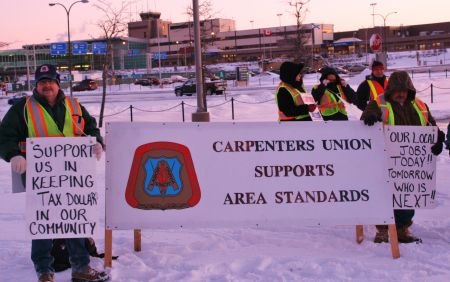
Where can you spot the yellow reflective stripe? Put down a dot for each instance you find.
(35, 118)
(39, 120)
(373, 90)
(296, 96)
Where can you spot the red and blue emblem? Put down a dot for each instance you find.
(162, 176)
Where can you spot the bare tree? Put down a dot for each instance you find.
(299, 11)
(112, 25)
(207, 26)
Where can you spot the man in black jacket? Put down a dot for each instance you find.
(288, 96)
(48, 112)
(328, 95)
(374, 85)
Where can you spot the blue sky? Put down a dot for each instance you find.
(33, 21)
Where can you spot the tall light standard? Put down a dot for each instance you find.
(279, 18)
(68, 35)
(178, 54)
(384, 28)
(373, 12)
(252, 21)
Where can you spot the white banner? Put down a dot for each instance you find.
(412, 166)
(61, 192)
(226, 174)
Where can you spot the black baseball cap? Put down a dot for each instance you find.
(46, 71)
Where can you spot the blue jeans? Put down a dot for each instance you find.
(43, 260)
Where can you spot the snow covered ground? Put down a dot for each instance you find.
(297, 253)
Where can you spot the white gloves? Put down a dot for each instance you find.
(18, 164)
(98, 150)
(325, 82)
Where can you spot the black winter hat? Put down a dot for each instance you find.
(377, 64)
(326, 71)
(289, 70)
(46, 71)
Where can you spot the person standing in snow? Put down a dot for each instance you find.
(400, 106)
(48, 112)
(371, 88)
(328, 95)
(288, 95)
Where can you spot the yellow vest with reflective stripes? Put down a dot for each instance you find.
(329, 105)
(41, 124)
(388, 114)
(376, 89)
(296, 96)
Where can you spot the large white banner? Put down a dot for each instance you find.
(412, 166)
(226, 174)
(61, 192)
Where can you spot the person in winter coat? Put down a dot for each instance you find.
(48, 112)
(289, 101)
(400, 106)
(328, 95)
(447, 141)
(372, 87)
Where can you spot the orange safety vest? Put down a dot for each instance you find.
(376, 89)
(41, 124)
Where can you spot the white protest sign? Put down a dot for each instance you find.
(61, 192)
(412, 166)
(229, 174)
(309, 99)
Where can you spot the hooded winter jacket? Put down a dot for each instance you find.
(404, 114)
(13, 128)
(288, 73)
(319, 90)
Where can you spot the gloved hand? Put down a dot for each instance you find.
(312, 107)
(441, 136)
(437, 148)
(325, 82)
(344, 83)
(18, 164)
(98, 150)
(371, 120)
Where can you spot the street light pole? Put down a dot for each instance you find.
(373, 12)
(68, 36)
(279, 18)
(384, 28)
(201, 114)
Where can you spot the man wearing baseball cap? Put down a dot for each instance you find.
(371, 88)
(48, 112)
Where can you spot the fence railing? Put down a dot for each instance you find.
(432, 88)
(131, 109)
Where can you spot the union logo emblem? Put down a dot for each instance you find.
(162, 177)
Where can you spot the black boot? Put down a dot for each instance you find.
(382, 235)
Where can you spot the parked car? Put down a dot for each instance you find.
(356, 68)
(212, 87)
(16, 98)
(166, 80)
(86, 84)
(178, 78)
(143, 82)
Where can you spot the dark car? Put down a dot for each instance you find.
(16, 98)
(212, 87)
(86, 84)
(147, 81)
(143, 82)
